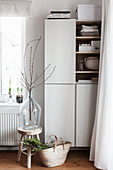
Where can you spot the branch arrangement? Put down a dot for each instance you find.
(28, 82)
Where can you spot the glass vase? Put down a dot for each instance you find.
(30, 113)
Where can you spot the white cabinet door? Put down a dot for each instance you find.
(60, 111)
(60, 50)
(85, 113)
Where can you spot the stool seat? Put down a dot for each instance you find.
(29, 133)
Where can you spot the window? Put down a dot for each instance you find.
(12, 40)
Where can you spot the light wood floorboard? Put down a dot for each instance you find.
(76, 160)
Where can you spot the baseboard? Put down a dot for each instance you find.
(4, 148)
(80, 148)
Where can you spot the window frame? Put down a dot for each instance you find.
(23, 42)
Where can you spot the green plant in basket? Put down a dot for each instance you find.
(35, 144)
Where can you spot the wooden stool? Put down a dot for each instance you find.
(29, 133)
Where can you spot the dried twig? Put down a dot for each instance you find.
(34, 55)
(29, 83)
(45, 79)
(25, 56)
(30, 64)
(41, 74)
(24, 85)
(25, 81)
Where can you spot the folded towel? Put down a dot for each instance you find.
(89, 30)
(58, 15)
(90, 33)
(89, 27)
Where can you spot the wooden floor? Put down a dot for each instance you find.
(76, 160)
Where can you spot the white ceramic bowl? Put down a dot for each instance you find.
(91, 63)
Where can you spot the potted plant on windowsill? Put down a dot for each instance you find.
(10, 96)
(19, 96)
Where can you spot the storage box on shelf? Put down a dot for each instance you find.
(89, 12)
(88, 36)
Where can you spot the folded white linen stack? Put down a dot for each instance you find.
(89, 30)
(59, 14)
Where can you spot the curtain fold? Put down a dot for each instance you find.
(102, 138)
(12, 8)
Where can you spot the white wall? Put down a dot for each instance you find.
(35, 29)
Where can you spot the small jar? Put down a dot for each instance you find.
(81, 65)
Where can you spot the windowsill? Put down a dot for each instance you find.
(10, 104)
(4, 101)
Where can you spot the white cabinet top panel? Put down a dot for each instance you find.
(60, 50)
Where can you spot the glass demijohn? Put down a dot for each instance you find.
(30, 113)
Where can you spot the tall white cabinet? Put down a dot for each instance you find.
(69, 106)
(60, 87)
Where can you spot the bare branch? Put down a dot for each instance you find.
(24, 86)
(38, 39)
(45, 79)
(25, 56)
(26, 82)
(36, 47)
(30, 65)
(41, 74)
(34, 54)
(29, 85)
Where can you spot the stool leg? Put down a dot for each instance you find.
(38, 137)
(29, 157)
(20, 149)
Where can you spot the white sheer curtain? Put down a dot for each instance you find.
(12, 8)
(102, 139)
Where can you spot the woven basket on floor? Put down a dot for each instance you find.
(56, 155)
